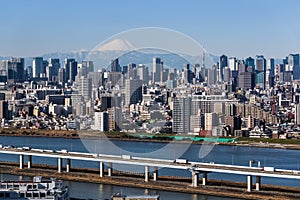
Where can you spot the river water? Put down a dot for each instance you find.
(221, 154)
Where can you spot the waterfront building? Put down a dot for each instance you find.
(115, 118)
(211, 121)
(101, 122)
(181, 114)
(196, 123)
(36, 189)
(297, 114)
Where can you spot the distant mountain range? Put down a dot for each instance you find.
(102, 59)
(126, 53)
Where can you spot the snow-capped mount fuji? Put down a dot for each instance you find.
(125, 51)
(116, 45)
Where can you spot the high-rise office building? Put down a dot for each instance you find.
(132, 71)
(212, 75)
(187, 74)
(293, 65)
(157, 69)
(297, 114)
(115, 118)
(260, 80)
(49, 72)
(115, 78)
(70, 66)
(133, 88)
(181, 114)
(226, 74)
(3, 70)
(61, 76)
(55, 64)
(222, 64)
(143, 73)
(85, 87)
(232, 64)
(115, 66)
(101, 121)
(15, 70)
(96, 78)
(37, 66)
(88, 66)
(249, 62)
(246, 80)
(260, 63)
(269, 82)
(271, 66)
(73, 71)
(293, 61)
(211, 121)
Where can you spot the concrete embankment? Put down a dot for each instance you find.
(174, 184)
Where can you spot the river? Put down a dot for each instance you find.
(222, 154)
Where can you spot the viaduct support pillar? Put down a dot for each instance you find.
(155, 173)
(109, 169)
(147, 173)
(204, 178)
(195, 179)
(258, 183)
(21, 161)
(68, 164)
(249, 183)
(59, 165)
(101, 169)
(29, 161)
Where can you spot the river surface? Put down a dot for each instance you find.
(221, 154)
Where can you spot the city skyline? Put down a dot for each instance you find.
(238, 29)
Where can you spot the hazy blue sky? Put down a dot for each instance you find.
(235, 27)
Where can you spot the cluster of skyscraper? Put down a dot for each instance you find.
(254, 72)
(189, 99)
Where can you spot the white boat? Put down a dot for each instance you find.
(37, 189)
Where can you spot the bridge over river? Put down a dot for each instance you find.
(151, 165)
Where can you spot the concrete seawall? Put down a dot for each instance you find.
(174, 184)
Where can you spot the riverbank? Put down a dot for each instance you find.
(173, 184)
(162, 138)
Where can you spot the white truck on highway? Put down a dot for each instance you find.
(181, 161)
